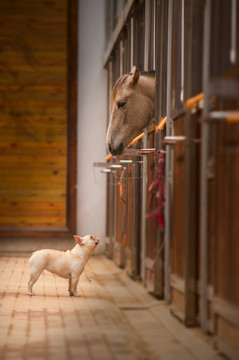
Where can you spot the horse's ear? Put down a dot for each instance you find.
(135, 75)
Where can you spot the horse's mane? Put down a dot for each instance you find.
(121, 80)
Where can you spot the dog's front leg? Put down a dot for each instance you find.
(69, 287)
(74, 282)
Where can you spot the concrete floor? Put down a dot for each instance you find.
(115, 318)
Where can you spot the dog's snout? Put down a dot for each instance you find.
(95, 239)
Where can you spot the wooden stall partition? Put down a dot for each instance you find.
(133, 201)
(119, 218)
(154, 222)
(185, 219)
(177, 249)
(211, 203)
(129, 220)
(186, 82)
(226, 244)
(220, 250)
(110, 215)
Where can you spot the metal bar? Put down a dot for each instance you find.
(147, 151)
(131, 42)
(229, 116)
(146, 36)
(193, 102)
(161, 124)
(168, 159)
(233, 51)
(116, 33)
(107, 165)
(106, 171)
(204, 179)
(190, 197)
(154, 33)
(121, 57)
(143, 211)
(174, 138)
(182, 52)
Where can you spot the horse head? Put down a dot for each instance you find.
(132, 108)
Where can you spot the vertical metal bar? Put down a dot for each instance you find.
(146, 36)
(154, 34)
(121, 56)
(143, 210)
(182, 52)
(132, 42)
(168, 158)
(233, 51)
(204, 177)
(190, 229)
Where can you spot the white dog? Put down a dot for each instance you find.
(69, 264)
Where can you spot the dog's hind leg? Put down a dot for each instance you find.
(31, 282)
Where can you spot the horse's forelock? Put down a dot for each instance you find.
(121, 80)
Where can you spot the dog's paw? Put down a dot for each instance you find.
(71, 293)
(31, 293)
(77, 295)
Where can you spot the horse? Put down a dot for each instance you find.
(132, 108)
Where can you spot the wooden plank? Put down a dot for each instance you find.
(33, 162)
(227, 225)
(228, 333)
(23, 222)
(12, 195)
(20, 149)
(228, 311)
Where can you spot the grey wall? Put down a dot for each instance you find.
(92, 100)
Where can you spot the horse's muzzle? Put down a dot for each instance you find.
(116, 151)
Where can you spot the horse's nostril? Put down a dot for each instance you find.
(116, 151)
(120, 148)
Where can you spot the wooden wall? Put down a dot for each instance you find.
(34, 115)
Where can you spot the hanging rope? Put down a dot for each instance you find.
(156, 189)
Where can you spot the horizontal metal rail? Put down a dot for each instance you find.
(228, 116)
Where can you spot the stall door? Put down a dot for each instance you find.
(37, 117)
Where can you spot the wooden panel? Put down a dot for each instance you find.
(151, 240)
(34, 128)
(227, 225)
(154, 233)
(184, 244)
(226, 229)
(120, 212)
(177, 248)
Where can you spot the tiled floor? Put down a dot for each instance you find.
(114, 319)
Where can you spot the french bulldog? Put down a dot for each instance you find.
(66, 264)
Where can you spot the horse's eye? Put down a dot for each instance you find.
(121, 104)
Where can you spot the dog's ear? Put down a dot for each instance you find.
(78, 239)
